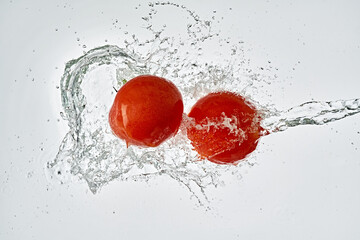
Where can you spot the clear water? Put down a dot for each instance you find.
(91, 153)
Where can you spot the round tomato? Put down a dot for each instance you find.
(225, 127)
(147, 110)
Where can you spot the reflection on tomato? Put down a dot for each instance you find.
(226, 127)
(146, 111)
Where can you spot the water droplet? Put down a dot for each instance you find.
(30, 174)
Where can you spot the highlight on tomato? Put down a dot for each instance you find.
(224, 127)
(147, 110)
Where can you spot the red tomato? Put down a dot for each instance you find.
(147, 110)
(226, 127)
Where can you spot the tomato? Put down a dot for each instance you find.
(225, 127)
(146, 111)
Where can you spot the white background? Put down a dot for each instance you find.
(305, 185)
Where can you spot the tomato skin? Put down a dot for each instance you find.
(146, 111)
(226, 127)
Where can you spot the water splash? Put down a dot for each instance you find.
(311, 113)
(93, 154)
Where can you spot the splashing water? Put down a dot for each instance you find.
(312, 113)
(91, 152)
